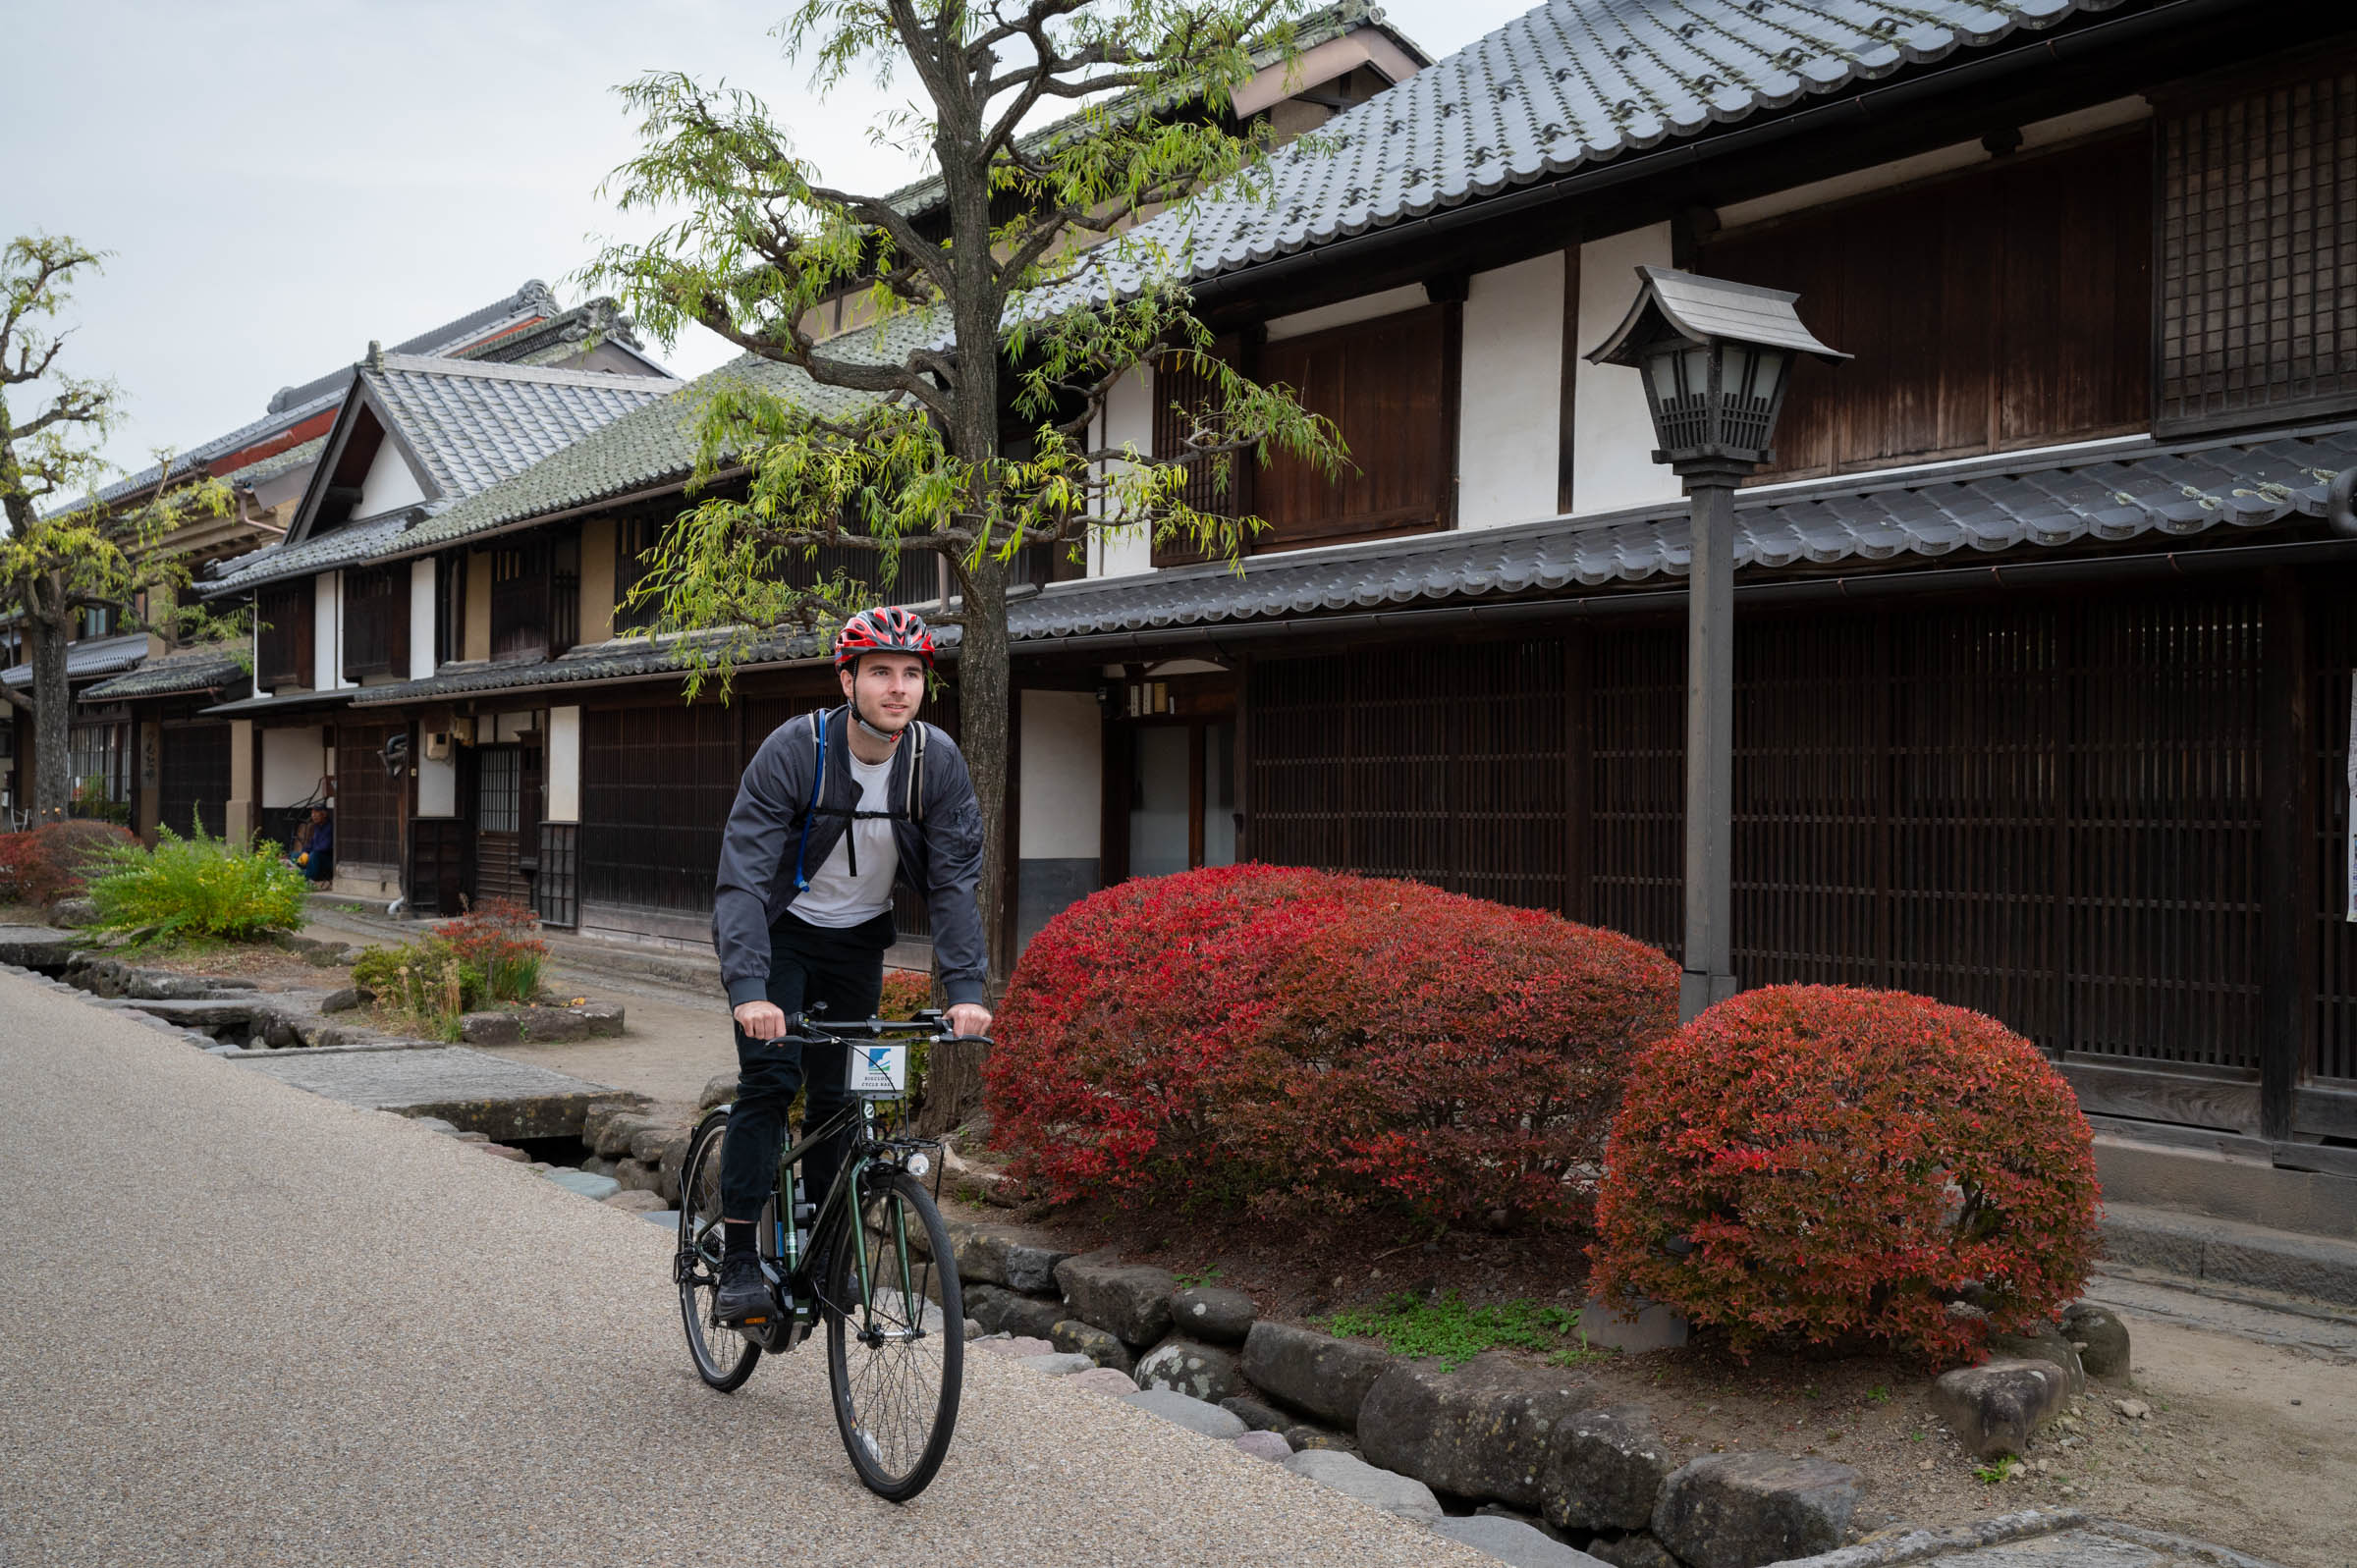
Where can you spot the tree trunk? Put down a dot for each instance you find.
(52, 763)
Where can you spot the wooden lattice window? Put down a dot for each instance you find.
(1181, 394)
(2258, 289)
(1391, 387)
(283, 639)
(521, 601)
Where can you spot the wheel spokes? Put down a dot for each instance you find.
(894, 1341)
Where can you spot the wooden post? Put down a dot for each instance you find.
(1710, 970)
(2288, 891)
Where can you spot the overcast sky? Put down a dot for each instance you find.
(280, 183)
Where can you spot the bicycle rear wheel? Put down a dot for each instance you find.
(724, 1358)
(896, 1356)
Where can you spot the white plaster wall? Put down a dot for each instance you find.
(512, 725)
(1612, 446)
(327, 632)
(1346, 312)
(421, 618)
(1511, 421)
(389, 485)
(293, 763)
(563, 764)
(1128, 421)
(437, 783)
(1062, 802)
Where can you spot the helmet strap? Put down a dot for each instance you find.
(887, 737)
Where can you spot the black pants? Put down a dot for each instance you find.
(842, 972)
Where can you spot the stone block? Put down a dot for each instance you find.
(636, 1175)
(1606, 1470)
(1058, 1364)
(600, 1021)
(1208, 1313)
(1513, 1543)
(2044, 1342)
(1130, 1300)
(1652, 1326)
(1746, 1510)
(1087, 1339)
(1105, 1381)
(1001, 1256)
(635, 1200)
(1210, 1372)
(2099, 1336)
(647, 1144)
(1017, 1347)
(1307, 1434)
(1001, 1310)
(343, 1001)
(1405, 1495)
(1192, 1414)
(585, 1183)
(1637, 1549)
(1482, 1431)
(1314, 1373)
(489, 1094)
(719, 1090)
(1265, 1445)
(1993, 1409)
(1257, 1416)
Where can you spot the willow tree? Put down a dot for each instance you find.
(961, 419)
(67, 547)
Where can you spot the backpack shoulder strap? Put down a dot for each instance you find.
(916, 775)
(818, 792)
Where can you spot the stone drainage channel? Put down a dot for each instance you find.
(1531, 1480)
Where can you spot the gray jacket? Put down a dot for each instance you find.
(939, 857)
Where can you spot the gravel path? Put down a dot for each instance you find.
(243, 1325)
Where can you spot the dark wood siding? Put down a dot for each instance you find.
(656, 787)
(2258, 288)
(1181, 395)
(2048, 809)
(194, 786)
(283, 656)
(376, 621)
(369, 806)
(1390, 387)
(2006, 307)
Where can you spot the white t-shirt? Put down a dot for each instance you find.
(837, 899)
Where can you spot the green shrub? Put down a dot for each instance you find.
(196, 887)
(487, 954)
(1449, 1329)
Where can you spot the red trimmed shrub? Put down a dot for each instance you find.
(53, 860)
(1825, 1162)
(1308, 1044)
(907, 992)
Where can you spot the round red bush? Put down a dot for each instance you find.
(1314, 1045)
(53, 860)
(1825, 1162)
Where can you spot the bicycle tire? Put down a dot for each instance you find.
(724, 1358)
(877, 1401)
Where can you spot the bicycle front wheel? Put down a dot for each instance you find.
(896, 1336)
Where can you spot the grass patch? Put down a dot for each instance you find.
(1448, 1330)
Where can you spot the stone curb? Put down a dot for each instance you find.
(2230, 1253)
(1914, 1545)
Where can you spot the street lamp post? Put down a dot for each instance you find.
(1715, 357)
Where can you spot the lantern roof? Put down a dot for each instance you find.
(1680, 305)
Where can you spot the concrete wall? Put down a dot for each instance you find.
(478, 605)
(390, 485)
(564, 765)
(294, 761)
(597, 580)
(1128, 421)
(1612, 449)
(1510, 424)
(1060, 806)
(421, 618)
(437, 785)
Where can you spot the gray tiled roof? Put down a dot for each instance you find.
(247, 707)
(2024, 502)
(474, 424)
(1569, 84)
(657, 442)
(267, 469)
(92, 656)
(190, 670)
(338, 547)
(623, 658)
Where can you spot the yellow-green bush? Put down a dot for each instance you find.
(199, 886)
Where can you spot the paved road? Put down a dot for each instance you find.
(243, 1324)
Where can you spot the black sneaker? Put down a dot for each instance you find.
(744, 1290)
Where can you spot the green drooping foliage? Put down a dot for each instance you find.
(199, 886)
(65, 548)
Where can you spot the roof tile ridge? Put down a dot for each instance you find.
(545, 375)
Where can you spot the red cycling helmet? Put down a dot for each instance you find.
(887, 628)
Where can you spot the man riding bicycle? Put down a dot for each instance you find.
(833, 806)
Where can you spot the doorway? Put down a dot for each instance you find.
(1182, 809)
(507, 820)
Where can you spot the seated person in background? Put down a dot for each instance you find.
(314, 849)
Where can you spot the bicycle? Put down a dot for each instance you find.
(895, 1322)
